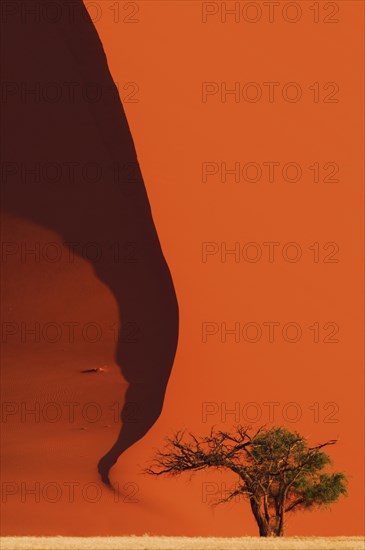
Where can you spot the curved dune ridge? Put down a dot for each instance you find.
(115, 209)
(181, 543)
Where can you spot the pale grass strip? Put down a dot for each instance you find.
(181, 543)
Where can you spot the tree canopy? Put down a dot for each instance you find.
(278, 472)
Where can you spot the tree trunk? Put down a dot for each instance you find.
(280, 524)
(263, 525)
(273, 528)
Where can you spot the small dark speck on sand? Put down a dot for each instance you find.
(98, 369)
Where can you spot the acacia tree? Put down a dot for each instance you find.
(278, 472)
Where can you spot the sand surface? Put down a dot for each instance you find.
(50, 484)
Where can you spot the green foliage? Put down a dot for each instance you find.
(284, 459)
(323, 490)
